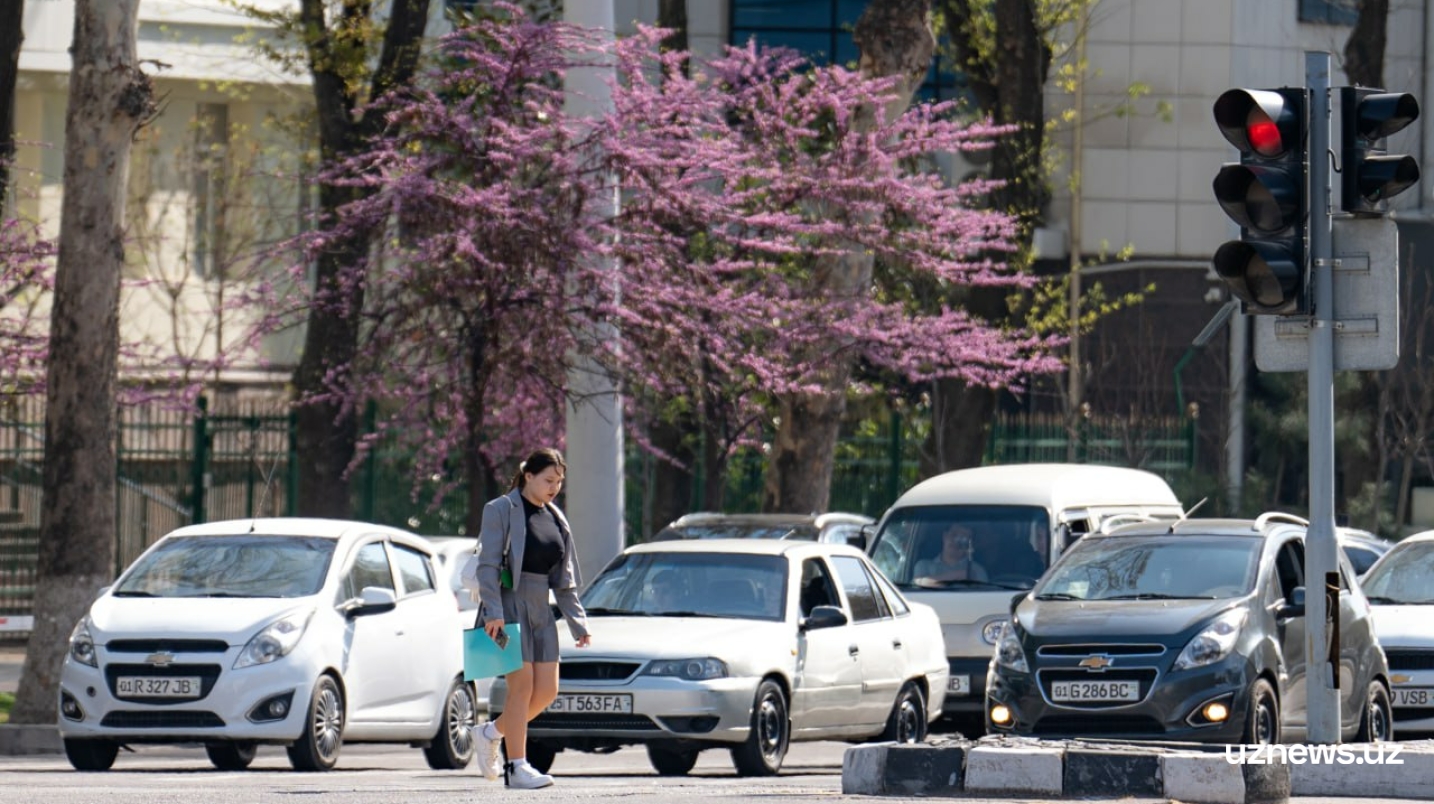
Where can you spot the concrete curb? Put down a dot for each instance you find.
(1007, 766)
(17, 740)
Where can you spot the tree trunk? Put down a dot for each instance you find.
(1011, 89)
(895, 39)
(325, 438)
(11, 37)
(110, 99)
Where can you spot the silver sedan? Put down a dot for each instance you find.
(745, 645)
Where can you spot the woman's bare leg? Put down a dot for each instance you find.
(513, 723)
(544, 689)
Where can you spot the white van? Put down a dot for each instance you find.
(1016, 518)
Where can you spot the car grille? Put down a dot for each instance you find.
(124, 719)
(596, 671)
(594, 721)
(208, 675)
(1144, 675)
(167, 646)
(1105, 724)
(1410, 659)
(1109, 650)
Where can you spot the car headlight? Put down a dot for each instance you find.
(991, 632)
(690, 669)
(1214, 643)
(274, 640)
(82, 645)
(1009, 653)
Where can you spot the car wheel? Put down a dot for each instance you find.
(907, 723)
(1262, 724)
(317, 748)
(452, 747)
(231, 756)
(1376, 724)
(91, 755)
(766, 744)
(669, 762)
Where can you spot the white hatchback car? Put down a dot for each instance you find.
(742, 644)
(305, 633)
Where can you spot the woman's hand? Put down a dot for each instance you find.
(493, 627)
(585, 640)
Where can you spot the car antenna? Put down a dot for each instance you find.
(1196, 507)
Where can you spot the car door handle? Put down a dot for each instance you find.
(853, 650)
(896, 644)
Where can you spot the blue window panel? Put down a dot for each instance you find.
(814, 46)
(849, 11)
(800, 14)
(1333, 12)
(847, 51)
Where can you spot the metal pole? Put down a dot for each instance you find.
(594, 497)
(1321, 559)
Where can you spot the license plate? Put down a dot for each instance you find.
(1095, 691)
(158, 686)
(958, 685)
(1414, 697)
(573, 702)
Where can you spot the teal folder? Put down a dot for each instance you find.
(482, 658)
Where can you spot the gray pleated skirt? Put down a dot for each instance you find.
(529, 606)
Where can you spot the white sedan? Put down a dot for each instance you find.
(742, 644)
(306, 633)
(1400, 588)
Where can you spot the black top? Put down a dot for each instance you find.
(543, 549)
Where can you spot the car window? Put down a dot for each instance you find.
(1154, 567)
(818, 588)
(735, 585)
(1290, 567)
(1407, 577)
(894, 601)
(861, 594)
(1010, 543)
(413, 570)
(242, 565)
(1361, 558)
(370, 568)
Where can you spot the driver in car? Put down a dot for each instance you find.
(955, 562)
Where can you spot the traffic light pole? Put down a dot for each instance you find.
(1321, 557)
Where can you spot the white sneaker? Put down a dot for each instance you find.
(488, 753)
(526, 777)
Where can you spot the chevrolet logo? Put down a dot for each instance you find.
(160, 659)
(1097, 662)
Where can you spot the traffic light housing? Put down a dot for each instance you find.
(1267, 194)
(1370, 175)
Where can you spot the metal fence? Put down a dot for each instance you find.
(238, 460)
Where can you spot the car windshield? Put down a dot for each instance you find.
(735, 585)
(964, 547)
(1153, 567)
(1405, 576)
(230, 566)
(737, 530)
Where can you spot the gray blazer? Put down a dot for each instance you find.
(502, 526)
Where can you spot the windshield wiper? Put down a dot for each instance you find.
(601, 611)
(134, 593)
(1394, 601)
(934, 584)
(1057, 596)
(1156, 596)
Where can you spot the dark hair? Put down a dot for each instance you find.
(536, 462)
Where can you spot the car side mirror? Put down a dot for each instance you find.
(824, 617)
(372, 600)
(1063, 536)
(862, 537)
(1295, 607)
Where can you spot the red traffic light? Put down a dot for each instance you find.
(1263, 121)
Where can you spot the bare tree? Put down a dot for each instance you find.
(110, 100)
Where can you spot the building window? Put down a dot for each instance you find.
(211, 162)
(822, 31)
(1332, 12)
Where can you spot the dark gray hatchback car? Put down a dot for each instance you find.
(1191, 631)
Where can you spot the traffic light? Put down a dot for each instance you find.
(1266, 193)
(1370, 175)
